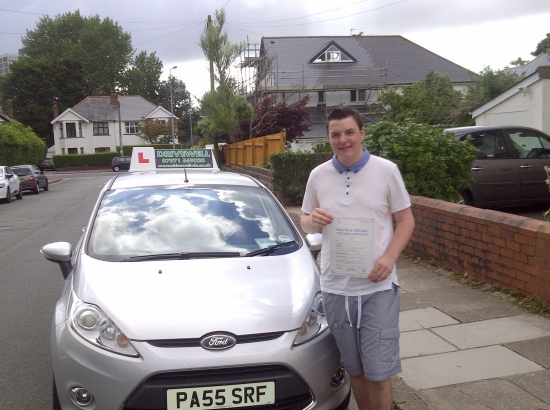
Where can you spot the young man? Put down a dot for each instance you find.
(353, 199)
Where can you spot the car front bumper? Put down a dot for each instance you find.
(302, 374)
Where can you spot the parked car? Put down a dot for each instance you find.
(119, 163)
(32, 179)
(47, 164)
(509, 169)
(191, 289)
(10, 185)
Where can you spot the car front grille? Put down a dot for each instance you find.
(195, 342)
(291, 392)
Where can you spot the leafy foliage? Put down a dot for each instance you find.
(98, 159)
(488, 85)
(20, 145)
(428, 102)
(101, 47)
(433, 164)
(271, 117)
(155, 132)
(291, 172)
(543, 46)
(143, 77)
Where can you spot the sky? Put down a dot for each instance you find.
(471, 33)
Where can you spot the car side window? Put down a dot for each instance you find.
(489, 145)
(530, 144)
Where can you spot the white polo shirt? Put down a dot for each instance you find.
(375, 191)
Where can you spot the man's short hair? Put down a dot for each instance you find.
(340, 113)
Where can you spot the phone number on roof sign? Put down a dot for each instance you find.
(183, 158)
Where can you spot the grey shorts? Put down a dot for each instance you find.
(372, 348)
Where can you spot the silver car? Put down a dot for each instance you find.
(191, 290)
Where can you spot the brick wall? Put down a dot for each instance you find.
(490, 246)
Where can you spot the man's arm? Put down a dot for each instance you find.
(317, 219)
(404, 227)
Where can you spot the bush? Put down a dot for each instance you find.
(20, 145)
(433, 164)
(291, 172)
(84, 160)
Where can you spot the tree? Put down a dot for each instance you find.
(20, 145)
(488, 85)
(518, 62)
(543, 46)
(155, 132)
(143, 77)
(270, 117)
(34, 84)
(100, 46)
(222, 107)
(427, 102)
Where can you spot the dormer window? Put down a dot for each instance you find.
(332, 53)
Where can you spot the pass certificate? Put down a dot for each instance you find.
(351, 246)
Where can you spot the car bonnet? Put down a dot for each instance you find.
(190, 298)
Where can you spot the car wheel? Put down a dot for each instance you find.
(55, 398)
(46, 187)
(7, 199)
(116, 168)
(467, 198)
(19, 194)
(36, 188)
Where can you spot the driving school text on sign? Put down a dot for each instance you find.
(183, 158)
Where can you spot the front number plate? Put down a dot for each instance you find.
(217, 397)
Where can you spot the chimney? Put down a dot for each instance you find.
(10, 109)
(114, 98)
(55, 109)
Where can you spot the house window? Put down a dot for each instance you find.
(358, 95)
(82, 150)
(131, 127)
(61, 130)
(71, 130)
(320, 97)
(63, 151)
(333, 55)
(101, 128)
(102, 149)
(72, 150)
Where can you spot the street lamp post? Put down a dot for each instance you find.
(191, 124)
(172, 106)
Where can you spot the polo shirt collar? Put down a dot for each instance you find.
(355, 167)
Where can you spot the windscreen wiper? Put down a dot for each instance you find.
(270, 249)
(181, 256)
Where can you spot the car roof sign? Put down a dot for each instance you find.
(150, 159)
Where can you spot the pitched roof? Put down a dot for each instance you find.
(132, 108)
(380, 61)
(529, 68)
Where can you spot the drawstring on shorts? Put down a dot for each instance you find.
(358, 311)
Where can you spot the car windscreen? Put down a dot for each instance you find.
(173, 220)
(21, 171)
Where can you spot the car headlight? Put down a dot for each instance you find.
(2, 184)
(315, 322)
(94, 326)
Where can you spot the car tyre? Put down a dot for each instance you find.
(19, 194)
(56, 405)
(36, 188)
(46, 187)
(7, 199)
(116, 168)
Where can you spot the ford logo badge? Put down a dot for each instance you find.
(218, 342)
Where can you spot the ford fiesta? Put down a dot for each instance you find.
(190, 289)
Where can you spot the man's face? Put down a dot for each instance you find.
(345, 139)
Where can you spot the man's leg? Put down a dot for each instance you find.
(371, 395)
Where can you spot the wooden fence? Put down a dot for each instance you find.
(254, 151)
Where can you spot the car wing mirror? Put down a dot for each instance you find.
(60, 253)
(314, 242)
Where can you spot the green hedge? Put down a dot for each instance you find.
(20, 145)
(290, 173)
(84, 160)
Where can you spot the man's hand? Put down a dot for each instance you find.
(382, 269)
(317, 219)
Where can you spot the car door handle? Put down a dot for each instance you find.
(477, 168)
(526, 166)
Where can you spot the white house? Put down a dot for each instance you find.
(527, 103)
(340, 70)
(98, 124)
